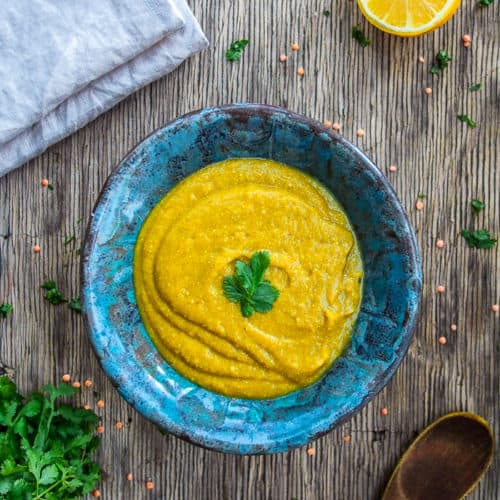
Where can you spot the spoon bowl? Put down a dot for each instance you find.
(445, 462)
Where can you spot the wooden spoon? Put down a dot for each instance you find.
(445, 462)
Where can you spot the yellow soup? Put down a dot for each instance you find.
(191, 241)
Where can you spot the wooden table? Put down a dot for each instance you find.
(379, 89)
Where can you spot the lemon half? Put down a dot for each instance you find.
(408, 17)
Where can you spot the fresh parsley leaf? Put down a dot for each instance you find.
(478, 239)
(467, 119)
(477, 205)
(50, 186)
(69, 239)
(5, 309)
(236, 49)
(53, 295)
(45, 449)
(75, 304)
(442, 59)
(476, 87)
(358, 35)
(248, 287)
(326, 13)
(421, 196)
(484, 3)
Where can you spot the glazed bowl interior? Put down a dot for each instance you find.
(391, 294)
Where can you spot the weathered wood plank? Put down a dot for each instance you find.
(380, 89)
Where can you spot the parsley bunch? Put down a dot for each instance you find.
(442, 60)
(478, 239)
(248, 287)
(45, 450)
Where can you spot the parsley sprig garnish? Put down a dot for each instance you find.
(441, 62)
(478, 239)
(236, 49)
(484, 3)
(359, 36)
(248, 286)
(467, 119)
(5, 309)
(76, 304)
(45, 449)
(476, 87)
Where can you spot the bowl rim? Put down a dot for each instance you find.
(253, 109)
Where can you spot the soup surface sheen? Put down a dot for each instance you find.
(191, 240)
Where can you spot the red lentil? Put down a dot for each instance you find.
(440, 243)
(419, 205)
(129, 476)
(44, 182)
(442, 340)
(393, 168)
(421, 59)
(86, 407)
(119, 425)
(336, 126)
(384, 411)
(327, 123)
(96, 493)
(66, 377)
(466, 38)
(283, 57)
(100, 404)
(36, 249)
(466, 44)
(346, 439)
(453, 328)
(440, 289)
(360, 132)
(300, 71)
(495, 308)
(428, 90)
(76, 384)
(149, 485)
(295, 47)
(100, 429)
(311, 451)
(88, 383)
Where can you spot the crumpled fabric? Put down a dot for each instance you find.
(63, 63)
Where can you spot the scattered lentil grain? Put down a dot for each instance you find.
(428, 91)
(129, 476)
(295, 47)
(44, 182)
(466, 38)
(100, 404)
(384, 411)
(86, 407)
(421, 59)
(440, 289)
(283, 57)
(346, 439)
(76, 384)
(88, 383)
(453, 327)
(149, 485)
(327, 123)
(96, 493)
(495, 308)
(419, 205)
(100, 429)
(300, 71)
(36, 249)
(466, 45)
(66, 377)
(393, 168)
(440, 243)
(119, 425)
(311, 451)
(336, 126)
(360, 132)
(442, 340)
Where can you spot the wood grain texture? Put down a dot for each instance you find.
(380, 89)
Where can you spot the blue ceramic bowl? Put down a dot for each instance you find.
(391, 289)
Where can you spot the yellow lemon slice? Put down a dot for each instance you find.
(408, 17)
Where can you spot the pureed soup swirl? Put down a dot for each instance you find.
(191, 241)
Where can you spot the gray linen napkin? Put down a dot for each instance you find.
(64, 63)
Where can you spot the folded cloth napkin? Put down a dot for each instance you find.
(64, 63)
